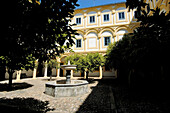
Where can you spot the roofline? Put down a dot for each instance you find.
(101, 5)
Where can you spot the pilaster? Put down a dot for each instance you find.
(18, 75)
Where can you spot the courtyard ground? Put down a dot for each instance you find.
(104, 96)
(99, 99)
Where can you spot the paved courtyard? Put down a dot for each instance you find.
(99, 99)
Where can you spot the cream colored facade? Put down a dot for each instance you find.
(100, 25)
(97, 27)
(109, 24)
(95, 24)
(92, 34)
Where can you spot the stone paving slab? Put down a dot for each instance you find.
(99, 98)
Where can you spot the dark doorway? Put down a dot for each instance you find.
(82, 74)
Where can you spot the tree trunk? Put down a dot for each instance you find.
(2, 73)
(10, 72)
(130, 78)
(40, 68)
(87, 75)
(51, 75)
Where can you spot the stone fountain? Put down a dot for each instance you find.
(68, 87)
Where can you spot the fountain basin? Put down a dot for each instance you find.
(63, 89)
(68, 67)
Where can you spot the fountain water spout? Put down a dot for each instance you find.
(68, 69)
(68, 62)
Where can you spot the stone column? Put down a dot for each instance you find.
(18, 75)
(100, 72)
(113, 13)
(68, 76)
(35, 69)
(100, 42)
(34, 73)
(99, 17)
(85, 43)
(58, 67)
(71, 73)
(85, 15)
(46, 67)
(58, 70)
(58, 73)
(84, 74)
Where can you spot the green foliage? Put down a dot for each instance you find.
(53, 64)
(88, 62)
(144, 54)
(93, 61)
(48, 28)
(34, 31)
(76, 59)
(117, 53)
(137, 4)
(133, 4)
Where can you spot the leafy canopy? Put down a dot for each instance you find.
(33, 30)
(88, 62)
(146, 51)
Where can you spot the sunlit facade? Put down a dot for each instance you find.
(98, 27)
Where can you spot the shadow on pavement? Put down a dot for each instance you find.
(15, 86)
(100, 100)
(23, 105)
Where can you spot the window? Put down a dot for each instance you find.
(78, 43)
(121, 15)
(78, 20)
(106, 17)
(107, 41)
(92, 19)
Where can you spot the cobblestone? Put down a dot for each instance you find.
(96, 100)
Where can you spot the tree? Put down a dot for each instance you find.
(37, 29)
(87, 63)
(144, 53)
(2, 69)
(52, 64)
(76, 59)
(117, 56)
(49, 30)
(137, 4)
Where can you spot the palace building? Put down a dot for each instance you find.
(100, 25)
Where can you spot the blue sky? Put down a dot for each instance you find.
(91, 3)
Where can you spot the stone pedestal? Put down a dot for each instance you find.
(75, 88)
(68, 87)
(68, 76)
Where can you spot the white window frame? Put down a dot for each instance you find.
(121, 15)
(78, 20)
(108, 42)
(106, 17)
(92, 19)
(79, 44)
